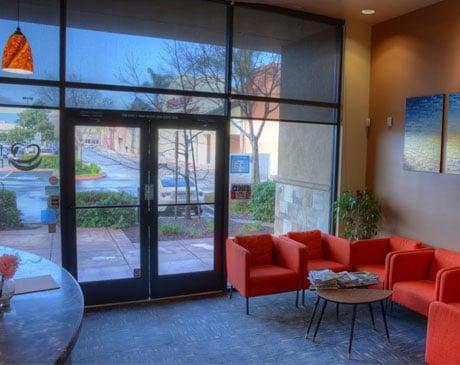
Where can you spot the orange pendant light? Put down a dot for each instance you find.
(17, 54)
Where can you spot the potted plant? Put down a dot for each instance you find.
(358, 214)
(8, 267)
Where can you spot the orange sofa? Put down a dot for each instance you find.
(264, 264)
(373, 255)
(420, 277)
(443, 334)
(323, 251)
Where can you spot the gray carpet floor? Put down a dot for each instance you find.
(215, 330)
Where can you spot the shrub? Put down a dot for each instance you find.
(239, 207)
(358, 214)
(262, 204)
(10, 215)
(195, 233)
(250, 228)
(169, 229)
(86, 169)
(105, 217)
(49, 162)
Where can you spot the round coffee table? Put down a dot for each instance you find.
(351, 297)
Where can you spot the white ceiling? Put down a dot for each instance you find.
(351, 9)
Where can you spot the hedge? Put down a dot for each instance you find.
(105, 217)
(262, 204)
(10, 215)
(81, 168)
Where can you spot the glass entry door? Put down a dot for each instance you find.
(189, 208)
(142, 205)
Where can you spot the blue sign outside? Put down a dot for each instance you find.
(239, 164)
(48, 216)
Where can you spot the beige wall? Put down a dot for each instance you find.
(356, 80)
(413, 55)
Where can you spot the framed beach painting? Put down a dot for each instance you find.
(423, 133)
(452, 161)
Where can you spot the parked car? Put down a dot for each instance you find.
(167, 195)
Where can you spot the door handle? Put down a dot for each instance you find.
(149, 192)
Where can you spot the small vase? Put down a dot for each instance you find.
(7, 289)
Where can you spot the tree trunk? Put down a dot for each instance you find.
(187, 176)
(255, 161)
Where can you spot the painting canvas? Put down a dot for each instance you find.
(423, 131)
(452, 164)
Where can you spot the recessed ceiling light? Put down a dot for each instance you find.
(368, 11)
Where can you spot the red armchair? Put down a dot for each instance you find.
(264, 264)
(421, 277)
(323, 251)
(443, 334)
(373, 255)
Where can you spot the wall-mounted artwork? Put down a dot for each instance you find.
(423, 131)
(452, 164)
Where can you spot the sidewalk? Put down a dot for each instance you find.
(107, 253)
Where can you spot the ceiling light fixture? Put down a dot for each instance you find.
(17, 54)
(368, 11)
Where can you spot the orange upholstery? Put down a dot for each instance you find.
(312, 239)
(320, 264)
(264, 264)
(416, 295)
(443, 334)
(375, 254)
(323, 251)
(421, 277)
(260, 247)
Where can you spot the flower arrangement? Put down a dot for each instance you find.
(8, 267)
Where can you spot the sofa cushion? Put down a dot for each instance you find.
(443, 259)
(403, 244)
(311, 239)
(260, 247)
(416, 295)
(271, 279)
(377, 269)
(320, 264)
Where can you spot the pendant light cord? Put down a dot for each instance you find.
(19, 2)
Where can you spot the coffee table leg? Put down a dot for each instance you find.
(353, 318)
(320, 319)
(372, 315)
(312, 316)
(385, 320)
(303, 297)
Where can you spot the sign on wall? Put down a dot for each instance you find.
(240, 164)
(241, 192)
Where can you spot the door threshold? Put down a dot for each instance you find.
(153, 300)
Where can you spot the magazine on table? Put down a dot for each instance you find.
(328, 279)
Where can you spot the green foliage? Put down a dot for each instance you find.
(195, 233)
(49, 162)
(10, 216)
(105, 217)
(210, 225)
(31, 122)
(262, 204)
(250, 228)
(239, 207)
(169, 229)
(86, 169)
(357, 214)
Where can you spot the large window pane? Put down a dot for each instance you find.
(29, 181)
(28, 95)
(289, 169)
(174, 44)
(119, 100)
(284, 56)
(39, 21)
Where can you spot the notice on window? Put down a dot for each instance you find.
(239, 164)
(241, 192)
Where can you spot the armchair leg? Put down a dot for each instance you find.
(247, 306)
(231, 291)
(297, 299)
(303, 297)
